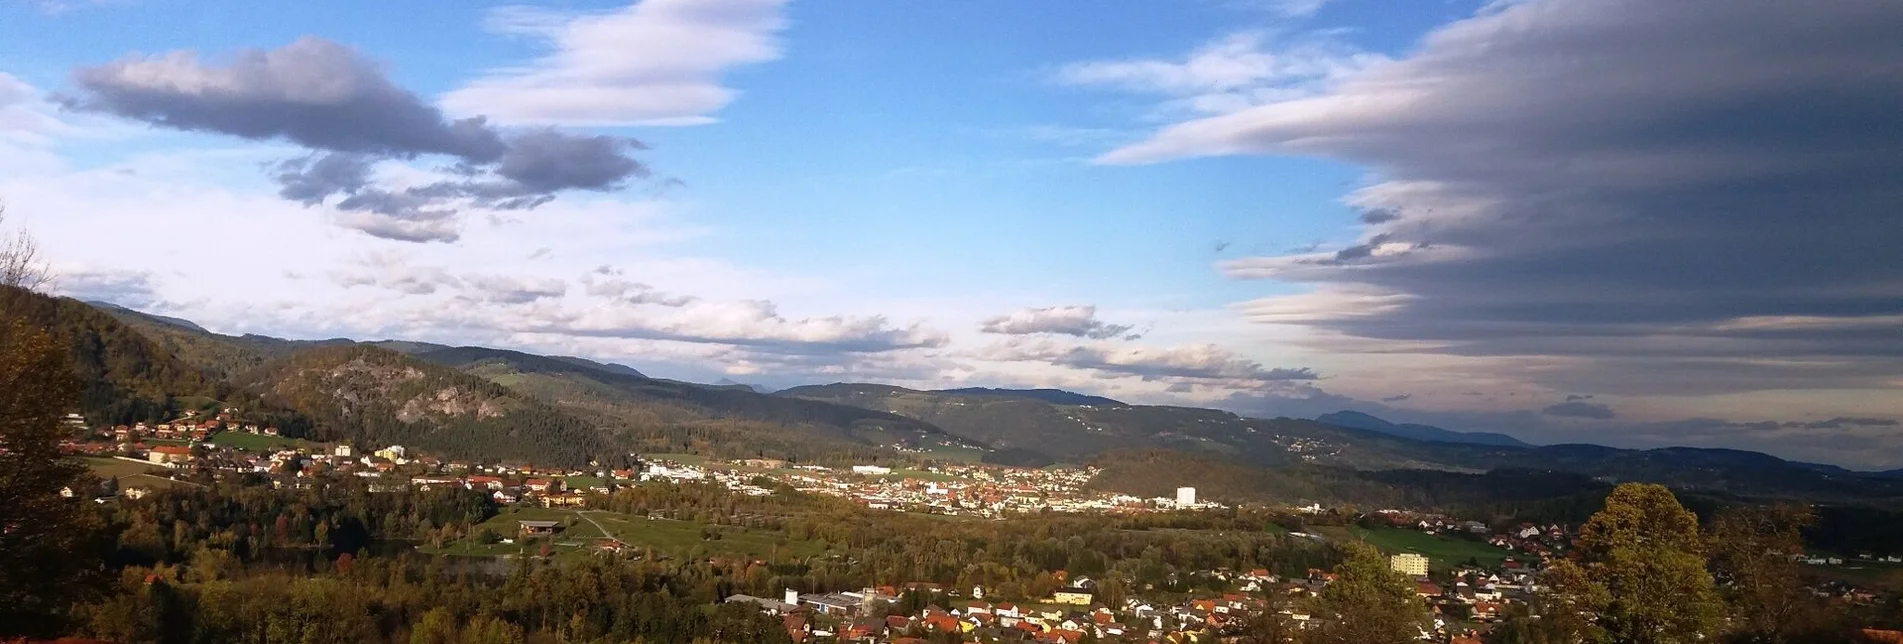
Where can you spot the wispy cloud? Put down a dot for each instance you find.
(655, 62)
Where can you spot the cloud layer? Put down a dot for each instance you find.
(1579, 182)
(656, 62)
(327, 97)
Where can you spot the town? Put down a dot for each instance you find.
(1465, 596)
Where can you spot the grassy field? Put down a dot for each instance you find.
(1442, 552)
(583, 482)
(1880, 575)
(684, 459)
(253, 442)
(130, 474)
(955, 454)
(679, 536)
(663, 535)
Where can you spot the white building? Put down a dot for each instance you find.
(342, 451)
(1409, 564)
(873, 470)
(1185, 497)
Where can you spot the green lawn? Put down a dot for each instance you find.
(583, 482)
(130, 474)
(667, 535)
(1442, 551)
(252, 442)
(664, 535)
(684, 459)
(955, 454)
(1869, 574)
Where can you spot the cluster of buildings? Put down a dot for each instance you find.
(1071, 615)
(988, 491)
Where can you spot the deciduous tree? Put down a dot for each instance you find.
(46, 539)
(1644, 549)
(1368, 603)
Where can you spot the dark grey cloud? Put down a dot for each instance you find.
(1396, 398)
(1677, 197)
(1080, 321)
(1378, 215)
(1577, 409)
(329, 98)
(1578, 397)
(313, 92)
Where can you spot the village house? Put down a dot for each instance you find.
(538, 528)
(170, 455)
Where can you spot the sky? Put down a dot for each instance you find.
(1620, 222)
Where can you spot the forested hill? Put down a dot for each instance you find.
(1360, 420)
(1053, 396)
(505, 404)
(375, 396)
(126, 376)
(668, 415)
(1079, 432)
(219, 357)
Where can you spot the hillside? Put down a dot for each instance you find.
(1157, 473)
(1360, 420)
(137, 366)
(668, 415)
(1053, 396)
(375, 396)
(127, 377)
(217, 356)
(1076, 433)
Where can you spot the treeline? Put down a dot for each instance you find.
(1013, 559)
(124, 376)
(426, 601)
(247, 522)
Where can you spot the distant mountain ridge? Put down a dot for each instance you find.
(1360, 420)
(557, 409)
(1053, 396)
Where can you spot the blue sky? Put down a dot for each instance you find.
(1444, 212)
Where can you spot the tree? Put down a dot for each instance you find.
(46, 540)
(1644, 550)
(1569, 604)
(20, 262)
(1369, 603)
(1753, 554)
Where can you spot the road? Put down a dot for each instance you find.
(604, 531)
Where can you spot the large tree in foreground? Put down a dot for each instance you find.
(1368, 603)
(1754, 554)
(45, 537)
(1643, 556)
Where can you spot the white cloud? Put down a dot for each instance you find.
(1079, 321)
(1229, 74)
(656, 62)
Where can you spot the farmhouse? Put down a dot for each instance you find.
(536, 528)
